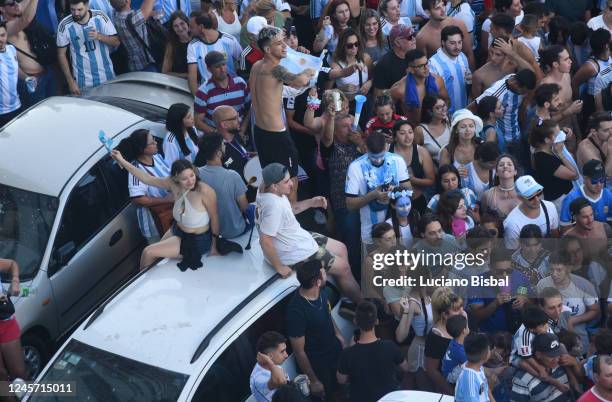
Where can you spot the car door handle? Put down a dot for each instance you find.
(115, 237)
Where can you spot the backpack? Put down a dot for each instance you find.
(42, 44)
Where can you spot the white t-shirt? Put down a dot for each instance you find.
(575, 296)
(597, 22)
(515, 221)
(276, 219)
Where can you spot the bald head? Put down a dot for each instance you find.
(226, 120)
(223, 112)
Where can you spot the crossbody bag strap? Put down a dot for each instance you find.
(547, 218)
(130, 25)
(430, 135)
(26, 54)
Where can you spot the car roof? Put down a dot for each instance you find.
(57, 129)
(163, 317)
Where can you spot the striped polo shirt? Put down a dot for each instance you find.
(9, 98)
(527, 388)
(508, 124)
(210, 95)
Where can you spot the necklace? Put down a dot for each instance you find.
(312, 305)
(506, 189)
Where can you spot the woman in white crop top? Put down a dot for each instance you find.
(195, 213)
(351, 66)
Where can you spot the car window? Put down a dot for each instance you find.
(228, 377)
(144, 110)
(116, 180)
(98, 375)
(87, 211)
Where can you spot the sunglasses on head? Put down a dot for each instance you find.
(601, 180)
(352, 45)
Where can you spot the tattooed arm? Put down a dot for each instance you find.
(293, 80)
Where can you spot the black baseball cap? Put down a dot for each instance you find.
(213, 58)
(547, 344)
(594, 169)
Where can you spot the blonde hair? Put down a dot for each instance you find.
(263, 7)
(442, 300)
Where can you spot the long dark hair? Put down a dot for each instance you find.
(429, 101)
(330, 11)
(448, 168)
(340, 53)
(174, 124)
(366, 15)
(447, 206)
(133, 147)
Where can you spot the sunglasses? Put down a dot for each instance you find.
(12, 3)
(352, 45)
(538, 194)
(601, 180)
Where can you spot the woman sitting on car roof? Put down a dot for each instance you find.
(196, 226)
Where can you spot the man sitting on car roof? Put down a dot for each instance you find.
(285, 243)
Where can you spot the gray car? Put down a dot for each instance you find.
(65, 214)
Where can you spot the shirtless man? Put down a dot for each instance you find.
(503, 60)
(19, 15)
(503, 25)
(418, 68)
(272, 139)
(598, 144)
(428, 38)
(557, 63)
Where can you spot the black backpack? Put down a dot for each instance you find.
(42, 44)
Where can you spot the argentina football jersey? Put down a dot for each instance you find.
(9, 99)
(91, 63)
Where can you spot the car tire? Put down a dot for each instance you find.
(35, 353)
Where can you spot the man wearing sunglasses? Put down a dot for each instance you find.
(594, 190)
(533, 209)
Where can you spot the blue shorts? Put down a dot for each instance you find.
(203, 240)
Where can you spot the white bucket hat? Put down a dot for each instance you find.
(463, 114)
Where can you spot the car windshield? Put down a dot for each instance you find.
(26, 219)
(144, 110)
(98, 375)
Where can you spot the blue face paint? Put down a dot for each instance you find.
(376, 159)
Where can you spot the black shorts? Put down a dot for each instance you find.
(276, 147)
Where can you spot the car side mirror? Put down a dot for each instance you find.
(64, 253)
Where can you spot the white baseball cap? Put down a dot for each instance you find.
(256, 24)
(527, 187)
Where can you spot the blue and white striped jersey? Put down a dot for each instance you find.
(165, 8)
(9, 71)
(198, 49)
(104, 6)
(472, 386)
(172, 150)
(508, 124)
(603, 69)
(140, 189)
(385, 26)
(462, 12)
(91, 63)
(452, 71)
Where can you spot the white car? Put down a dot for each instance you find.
(65, 215)
(415, 396)
(180, 336)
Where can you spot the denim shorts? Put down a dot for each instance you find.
(203, 240)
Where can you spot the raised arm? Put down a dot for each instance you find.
(20, 23)
(165, 183)
(293, 80)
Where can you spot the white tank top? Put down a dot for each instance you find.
(231, 29)
(353, 78)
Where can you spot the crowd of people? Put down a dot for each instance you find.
(486, 130)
